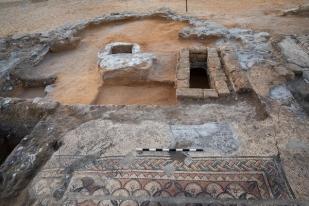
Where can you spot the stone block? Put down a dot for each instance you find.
(183, 70)
(222, 88)
(233, 70)
(191, 93)
(210, 93)
(183, 83)
(184, 54)
(213, 61)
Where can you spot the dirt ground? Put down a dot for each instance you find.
(42, 16)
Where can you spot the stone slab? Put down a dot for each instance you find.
(210, 93)
(214, 136)
(189, 93)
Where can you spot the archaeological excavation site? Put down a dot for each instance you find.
(154, 102)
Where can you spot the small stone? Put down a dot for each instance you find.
(281, 93)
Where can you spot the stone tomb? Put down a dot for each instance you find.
(123, 63)
(199, 74)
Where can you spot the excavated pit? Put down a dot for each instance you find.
(79, 80)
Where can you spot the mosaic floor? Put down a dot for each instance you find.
(161, 176)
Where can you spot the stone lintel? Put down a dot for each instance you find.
(191, 93)
(196, 93)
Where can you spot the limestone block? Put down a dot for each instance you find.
(210, 93)
(123, 63)
(190, 93)
(183, 70)
(213, 61)
(184, 54)
(222, 88)
(183, 66)
(183, 83)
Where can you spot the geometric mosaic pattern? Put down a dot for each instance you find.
(161, 176)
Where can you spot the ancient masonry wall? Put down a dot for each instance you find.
(217, 73)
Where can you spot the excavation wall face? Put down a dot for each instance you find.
(17, 120)
(9, 139)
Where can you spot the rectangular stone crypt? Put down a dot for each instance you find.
(199, 74)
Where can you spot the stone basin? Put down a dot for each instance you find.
(124, 63)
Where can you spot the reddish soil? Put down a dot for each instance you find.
(139, 94)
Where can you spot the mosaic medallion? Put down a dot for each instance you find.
(251, 178)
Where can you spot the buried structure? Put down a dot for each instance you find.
(77, 101)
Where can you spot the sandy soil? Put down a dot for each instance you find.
(258, 14)
(142, 95)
